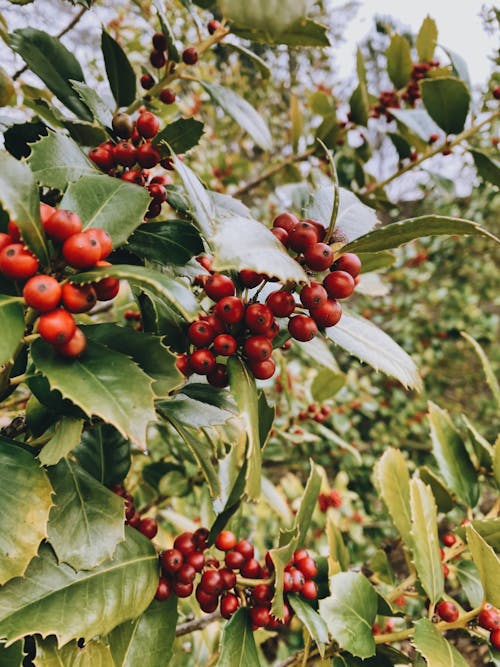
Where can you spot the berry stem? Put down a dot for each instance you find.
(401, 588)
(19, 379)
(245, 582)
(336, 198)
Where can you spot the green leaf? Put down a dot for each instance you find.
(452, 458)
(100, 110)
(192, 413)
(167, 289)
(261, 65)
(25, 500)
(242, 112)
(181, 135)
(433, 646)
(297, 122)
(380, 565)
(487, 563)
(402, 146)
(11, 326)
(147, 640)
(87, 520)
(145, 349)
(19, 198)
(66, 437)
(108, 203)
(304, 32)
(322, 104)
(425, 539)
(399, 61)
(415, 125)
(359, 106)
(366, 341)
(245, 243)
(468, 577)
(350, 612)
(173, 53)
(12, 656)
(488, 529)
(326, 384)
(103, 383)
(447, 101)
(443, 497)
(57, 160)
(496, 461)
(104, 454)
(272, 17)
(426, 41)
(487, 368)
(459, 66)
(168, 242)
(338, 555)
(201, 206)
(93, 654)
(120, 74)
(315, 625)
(487, 168)
(238, 647)
(37, 602)
(393, 483)
(398, 233)
(49, 59)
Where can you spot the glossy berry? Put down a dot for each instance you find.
(196, 559)
(172, 560)
(56, 327)
(300, 554)
(447, 611)
(186, 574)
(157, 192)
(298, 580)
(285, 221)
(328, 314)
(350, 263)
(200, 333)
(287, 582)
(281, 303)
(225, 345)
(212, 28)
(125, 154)
(302, 328)
(182, 590)
(249, 278)
(258, 348)
(184, 543)
(313, 295)
(339, 284)
(319, 257)
(75, 347)
(148, 527)
(211, 582)
(202, 361)
(218, 286)
(43, 293)
(219, 376)
(200, 538)
(244, 548)
(261, 594)
(13, 231)
(308, 567)
(78, 298)
(281, 235)
(147, 81)
(320, 229)
(167, 96)
(258, 318)
(225, 540)
(107, 288)
(122, 125)
(251, 568)
(148, 155)
(263, 370)
(102, 158)
(260, 616)
(62, 224)
(309, 590)
(489, 618)
(157, 59)
(449, 539)
(17, 263)
(228, 605)
(303, 236)
(5, 240)
(228, 578)
(234, 560)
(495, 635)
(208, 603)
(230, 309)
(147, 124)
(45, 212)
(81, 251)
(103, 238)
(164, 589)
(182, 364)
(190, 56)
(159, 41)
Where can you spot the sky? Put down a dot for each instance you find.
(459, 24)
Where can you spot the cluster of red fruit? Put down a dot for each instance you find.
(331, 499)
(318, 413)
(488, 618)
(146, 525)
(220, 586)
(419, 71)
(235, 325)
(131, 158)
(56, 301)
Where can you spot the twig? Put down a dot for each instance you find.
(272, 171)
(69, 27)
(196, 624)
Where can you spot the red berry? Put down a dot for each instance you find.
(163, 590)
(167, 96)
(298, 580)
(182, 590)
(81, 251)
(75, 347)
(245, 549)
(148, 155)
(281, 303)
(212, 28)
(446, 570)
(258, 318)
(225, 540)
(281, 235)
(447, 611)
(5, 240)
(159, 41)
(211, 582)
(186, 574)
(45, 212)
(230, 309)
(319, 257)
(157, 192)
(320, 229)
(172, 560)
(107, 288)
(328, 314)
(251, 568)
(78, 298)
(56, 327)
(13, 231)
(309, 590)
(273, 331)
(219, 376)
(285, 221)
(225, 345)
(308, 567)
(234, 560)
(449, 539)
(200, 333)
(43, 293)
(208, 603)
(489, 618)
(148, 527)
(228, 578)
(496, 95)
(147, 81)
(17, 263)
(190, 56)
(495, 635)
(263, 370)
(313, 295)
(258, 348)
(218, 286)
(262, 594)
(184, 543)
(300, 554)
(287, 582)
(260, 616)
(249, 278)
(228, 605)
(157, 59)
(350, 263)
(102, 158)
(302, 328)
(125, 154)
(62, 224)
(303, 236)
(182, 364)
(197, 560)
(202, 361)
(339, 284)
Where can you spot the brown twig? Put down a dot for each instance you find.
(196, 624)
(272, 171)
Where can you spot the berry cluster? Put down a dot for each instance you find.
(147, 526)
(57, 301)
(489, 619)
(132, 157)
(315, 412)
(419, 71)
(239, 326)
(332, 499)
(220, 586)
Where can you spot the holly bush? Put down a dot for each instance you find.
(200, 464)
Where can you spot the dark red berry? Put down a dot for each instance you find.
(300, 554)
(260, 616)
(285, 221)
(172, 560)
(319, 257)
(287, 582)
(339, 284)
(103, 239)
(313, 295)
(328, 314)
(190, 56)
(62, 224)
(262, 594)
(43, 293)
(196, 559)
(219, 376)
(212, 28)
(489, 618)
(228, 605)
(225, 540)
(244, 548)
(81, 251)
(495, 635)
(125, 154)
(218, 286)
(148, 155)
(73, 348)
(449, 539)
(147, 124)
(234, 560)
(298, 580)
(78, 298)
(163, 591)
(228, 578)
(211, 582)
(251, 569)
(208, 603)
(230, 309)
(181, 589)
(302, 328)
(202, 362)
(258, 318)
(13, 231)
(308, 567)
(447, 611)
(225, 345)
(309, 590)
(167, 96)
(249, 278)
(148, 527)
(159, 41)
(147, 81)
(303, 236)
(263, 370)
(281, 303)
(157, 59)
(186, 574)
(200, 333)
(258, 348)
(102, 158)
(200, 538)
(350, 263)
(281, 235)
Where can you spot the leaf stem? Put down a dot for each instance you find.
(336, 198)
(401, 588)
(18, 379)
